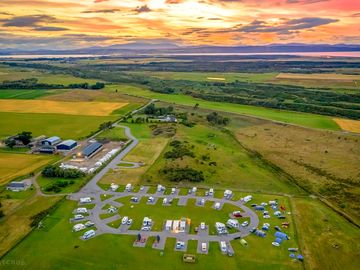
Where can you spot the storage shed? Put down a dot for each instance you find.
(66, 145)
(91, 149)
(51, 141)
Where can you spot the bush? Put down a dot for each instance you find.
(52, 171)
(183, 174)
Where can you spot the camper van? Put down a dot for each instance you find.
(77, 217)
(78, 227)
(89, 234)
(217, 206)
(232, 223)
(128, 187)
(203, 247)
(85, 200)
(81, 210)
(223, 246)
(173, 190)
(211, 192)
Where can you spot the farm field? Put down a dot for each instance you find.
(327, 239)
(322, 162)
(25, 94)
(302, 119)
(113, 134)
(209, 76)
(13, 165)
(71, 252)
(65, 126)
(342, 82)
(348, 124)
(13, 74)
(17, 225)
(60, 107)
(234, 166)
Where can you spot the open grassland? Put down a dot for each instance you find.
(46, 182)
(348, 125)
(25, 94)
(64, 249)
(17, 225)
(113, 134)
(13, 74)
(334, 81)
(65, 126)
(302, 119)
(209, 76)
(61, 107)
(147, 151)
(13, 165)
(327, 240)
(234, 166)
(322, 162)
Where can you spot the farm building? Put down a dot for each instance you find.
(66, 145)
(91, 149)
(51, 141)
(47, 149)
(18, 186)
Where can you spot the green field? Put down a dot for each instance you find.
(332, 242)
(113, 134)
(302, 119)
(64, 249)
(24, 94)
(234, 166)
(46, 182)
(64, 126)
(13, 74)
(208, 76)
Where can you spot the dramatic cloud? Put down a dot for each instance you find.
(28, 21)
(194, 22)
(288, 26)
(50, 28)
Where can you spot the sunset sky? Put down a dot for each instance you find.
(68, 24)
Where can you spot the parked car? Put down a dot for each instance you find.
(202, 225)
(124, 220)
(203, 247)
(245, 223)
(180, 245)
(129, 222)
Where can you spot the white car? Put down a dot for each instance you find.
(145, 228)
(151, 199)
(203, 247)
(180, 245)
(245, 223)
(275, 244)
(124, 220)
(202, 225)
(266, 216)
(129, 222)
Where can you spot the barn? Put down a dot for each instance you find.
(67, 145)
(51, 141)
(91, 149)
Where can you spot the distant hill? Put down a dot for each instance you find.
(169, 48)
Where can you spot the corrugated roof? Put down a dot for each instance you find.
(53, 139)
(16, 184)
(68, 142)
(91, 148)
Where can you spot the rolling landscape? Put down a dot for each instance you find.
(212, 141)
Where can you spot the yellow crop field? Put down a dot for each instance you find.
(318, 76)
(59, 107)
(348, 125)
(13, 165)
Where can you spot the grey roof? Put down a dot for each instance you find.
(53, 139)
(68, 142)
(16, 184)
(91, 148)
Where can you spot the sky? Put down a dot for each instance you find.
(69, 24)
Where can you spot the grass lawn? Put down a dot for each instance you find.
(234, 166)
(45, 182)
(113, 134)
(13, 165)
(328, 240)
(64, 249)
(65, 126)
(302, 119)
